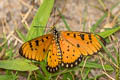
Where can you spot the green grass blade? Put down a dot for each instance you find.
(19, 65)
(109, 32)
(87, 71)
(94, 27)
(87, 65)
(21, 35)
(40, 19)
(96, 65)
(67, 76)
(115, 5)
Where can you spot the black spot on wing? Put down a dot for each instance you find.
(87, 42)
(30, 44)
(68, 46)
(89, 36)
(78, 45)
(66, 56)
(42, 40)
(68, 34)
(90, 41)
(46, 37)
(82, 36)
(68, 50)
(37, 42)
(43, 49)
(73, 50)
(74, 35)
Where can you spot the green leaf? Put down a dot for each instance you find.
(96, 65)
(6, 77)
(109, 32)
(20, 65)
(21, 35)
(40, 19)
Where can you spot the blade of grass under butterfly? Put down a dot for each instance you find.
(96, 65)
(40, 19)
(109, 32)
(87, 65)
(19, 65)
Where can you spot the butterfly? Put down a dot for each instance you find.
(62, 48)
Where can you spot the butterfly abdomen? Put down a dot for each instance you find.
(55, 53)
(57, 38)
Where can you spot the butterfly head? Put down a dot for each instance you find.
(53, 29)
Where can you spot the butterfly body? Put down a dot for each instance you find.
(62, 48)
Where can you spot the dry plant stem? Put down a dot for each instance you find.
(8, 37)
(108, 75)
(27, 14)
(25, 22)
(102, 4)
(2, 53)
(57, 78)
(89, 23)
(22, 2)
(115, 18)
(83, 66)
(108, 17)
(113, 64)
(29, 74)
(111, 24)
(5, 26)
(102, 64)
(63, 9)
(118, 64)
(17, 38)
(105, 70)
(35, 75)
(72, 76)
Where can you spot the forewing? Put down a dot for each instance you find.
(37, 48)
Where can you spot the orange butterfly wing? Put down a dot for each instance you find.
(37, 48)
(76, 44)
(71, 55)
(53, 58)
(87, 43)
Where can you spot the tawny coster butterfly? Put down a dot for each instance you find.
(62, 48)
